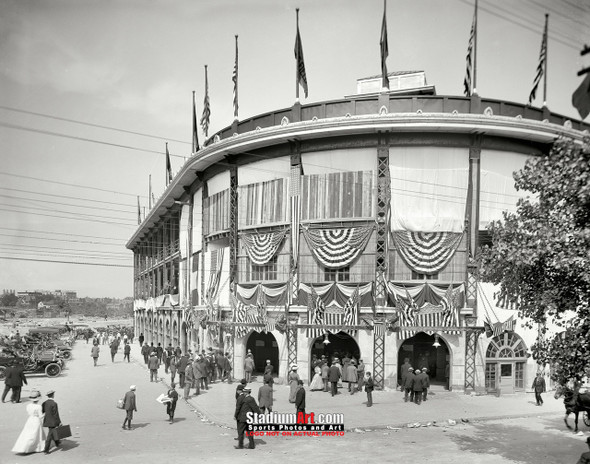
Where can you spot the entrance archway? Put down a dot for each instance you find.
(505, 363)
(339, 345)
(420, 352)
(263, 346)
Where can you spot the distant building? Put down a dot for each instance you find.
(347, 226)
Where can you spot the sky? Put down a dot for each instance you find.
(91, 91)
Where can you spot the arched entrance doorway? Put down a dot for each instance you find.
(263, 346)
(505, 363)
(338, 345)
(420, 352)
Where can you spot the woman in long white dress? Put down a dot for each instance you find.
(32, 437)
(317, 383)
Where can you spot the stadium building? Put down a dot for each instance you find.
(347, 226)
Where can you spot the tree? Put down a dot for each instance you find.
(8, 299)
(540, 256)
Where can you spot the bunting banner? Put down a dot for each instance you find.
(445, 314)
(337, 294)
(379, 328)
(315, 314)
(498, 328)
(337, 248)
(426, 252)
(274, 294)
(261, 248)
(424, 293)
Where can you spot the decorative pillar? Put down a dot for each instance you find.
(472, 220)
(379, 357)
(471, 336)
(205, 231)
(295, 197)
(291, 345)
(383, 202)
(233, 224)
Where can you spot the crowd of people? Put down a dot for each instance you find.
(414, 383)
(194, 370)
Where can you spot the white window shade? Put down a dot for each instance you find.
(428, 188)
(497, 191)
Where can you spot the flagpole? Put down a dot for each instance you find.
(545, 64)
(150, 194)
(235, 79)
(297, 61)
(475, 53)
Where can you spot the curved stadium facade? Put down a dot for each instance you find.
(346, 226)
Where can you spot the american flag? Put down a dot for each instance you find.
(379, 328)
(541, 65)
(206, 116)
(239, 316)
(195, 134)
(234, 79)
(384, 48)
(316, 311)
(407, 313)
(469, 71)
(449, 303)
(261, 305)
(351, 311)
(301, 76)
(168, 166)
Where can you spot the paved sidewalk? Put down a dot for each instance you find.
(217, 405)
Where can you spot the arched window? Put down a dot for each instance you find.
(506, 345)
(505, 357)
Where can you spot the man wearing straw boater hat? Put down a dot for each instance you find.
(51, 420)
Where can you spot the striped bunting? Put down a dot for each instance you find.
(494, 330)
(426, 252)
(336, 248)
(261, 248)
(379, 328)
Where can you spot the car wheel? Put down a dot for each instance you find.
(67, 354)
(2, 372)
(52, 370)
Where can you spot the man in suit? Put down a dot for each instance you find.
(334, 376)
(244, 405)
(369, 386)
(300, 400)
(404, 371)
(15, 377)
(409, 385)
(51, 420)
(268, 370)
(265, 397)
(145, 351)
(129, 406)
(539, 387)
(153, 365)
(418, 386)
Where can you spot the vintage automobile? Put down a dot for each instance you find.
(39, 362)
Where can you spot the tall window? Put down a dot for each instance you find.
(266, 272)
(337, 275)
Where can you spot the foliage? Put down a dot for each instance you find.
(8, 299)
(541, 255)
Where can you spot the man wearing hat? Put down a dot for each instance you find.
(585, 457)
(268, 370)
(404, 371)
(334, 376)
(14, 379)
(418, 386)
(51, 420)
(244, 405)
(425, 383)
(153, 365)
(129, 405)
(409, 384)
(351, 376)
(300, 399)
(369, 387)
